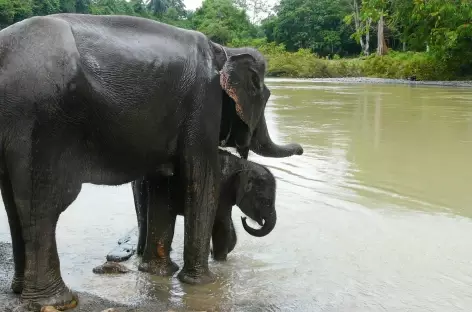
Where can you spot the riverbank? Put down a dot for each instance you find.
(369, 80)
(409, 65)
(420, 66)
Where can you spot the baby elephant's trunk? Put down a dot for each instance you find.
(267, 227)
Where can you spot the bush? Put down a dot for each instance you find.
(403, 65)
(305, 64)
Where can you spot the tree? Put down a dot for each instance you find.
(316, 25)
(222, 21)
(361, 26)
(12, 11)
(376, 11)
(158, 7)
(446, 27)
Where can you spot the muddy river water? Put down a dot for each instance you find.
(375, 216)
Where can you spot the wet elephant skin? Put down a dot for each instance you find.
(106, 100)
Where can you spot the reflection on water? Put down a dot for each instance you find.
(375, 216)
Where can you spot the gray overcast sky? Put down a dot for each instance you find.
(193, 4)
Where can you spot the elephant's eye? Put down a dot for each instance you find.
(248, 187)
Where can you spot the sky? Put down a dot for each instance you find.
(192, 4)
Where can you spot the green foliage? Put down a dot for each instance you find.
(306, 38)
(300, 64)
(222, 21)
(12, 11)
(306, 24)
(446, 27)
(108, 7)
(304, 64)
(403, 65)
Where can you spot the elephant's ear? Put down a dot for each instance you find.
(242, 78)
(242, 185)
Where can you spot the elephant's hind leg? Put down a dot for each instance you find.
(18, 243)
(140, 195)
(41, 193)
(159, 208)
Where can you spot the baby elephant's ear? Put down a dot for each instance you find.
(242, 185)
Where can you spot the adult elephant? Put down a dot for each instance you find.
(162, 206)
(106, 100)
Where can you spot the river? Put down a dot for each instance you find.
(374, 216)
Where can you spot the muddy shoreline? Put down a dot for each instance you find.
(88, 302)
(367, 80)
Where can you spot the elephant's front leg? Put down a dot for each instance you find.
(201, 181)
(160, 211)
(41, 194)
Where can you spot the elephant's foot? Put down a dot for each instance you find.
(17, 284)
(196, 277)
(159, 267)
(61, 299)
(220, 257)
(110, 268)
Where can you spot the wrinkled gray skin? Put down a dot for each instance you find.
(106, 100)
(246, 184)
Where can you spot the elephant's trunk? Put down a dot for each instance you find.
(263, 145)
(269, 224)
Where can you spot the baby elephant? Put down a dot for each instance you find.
(244, 183)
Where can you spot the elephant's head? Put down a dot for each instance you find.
(242, 72)
(244, 100)
(255, 196)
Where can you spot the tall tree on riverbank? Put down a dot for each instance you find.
(361, 26)
(375, 11)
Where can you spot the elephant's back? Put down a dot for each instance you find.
(38, 60)
(132, 40)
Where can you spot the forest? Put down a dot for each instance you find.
(424, 39)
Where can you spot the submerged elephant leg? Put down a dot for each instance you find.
(160, 227)
(201, 181)
(18, 243)
(40, 197)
